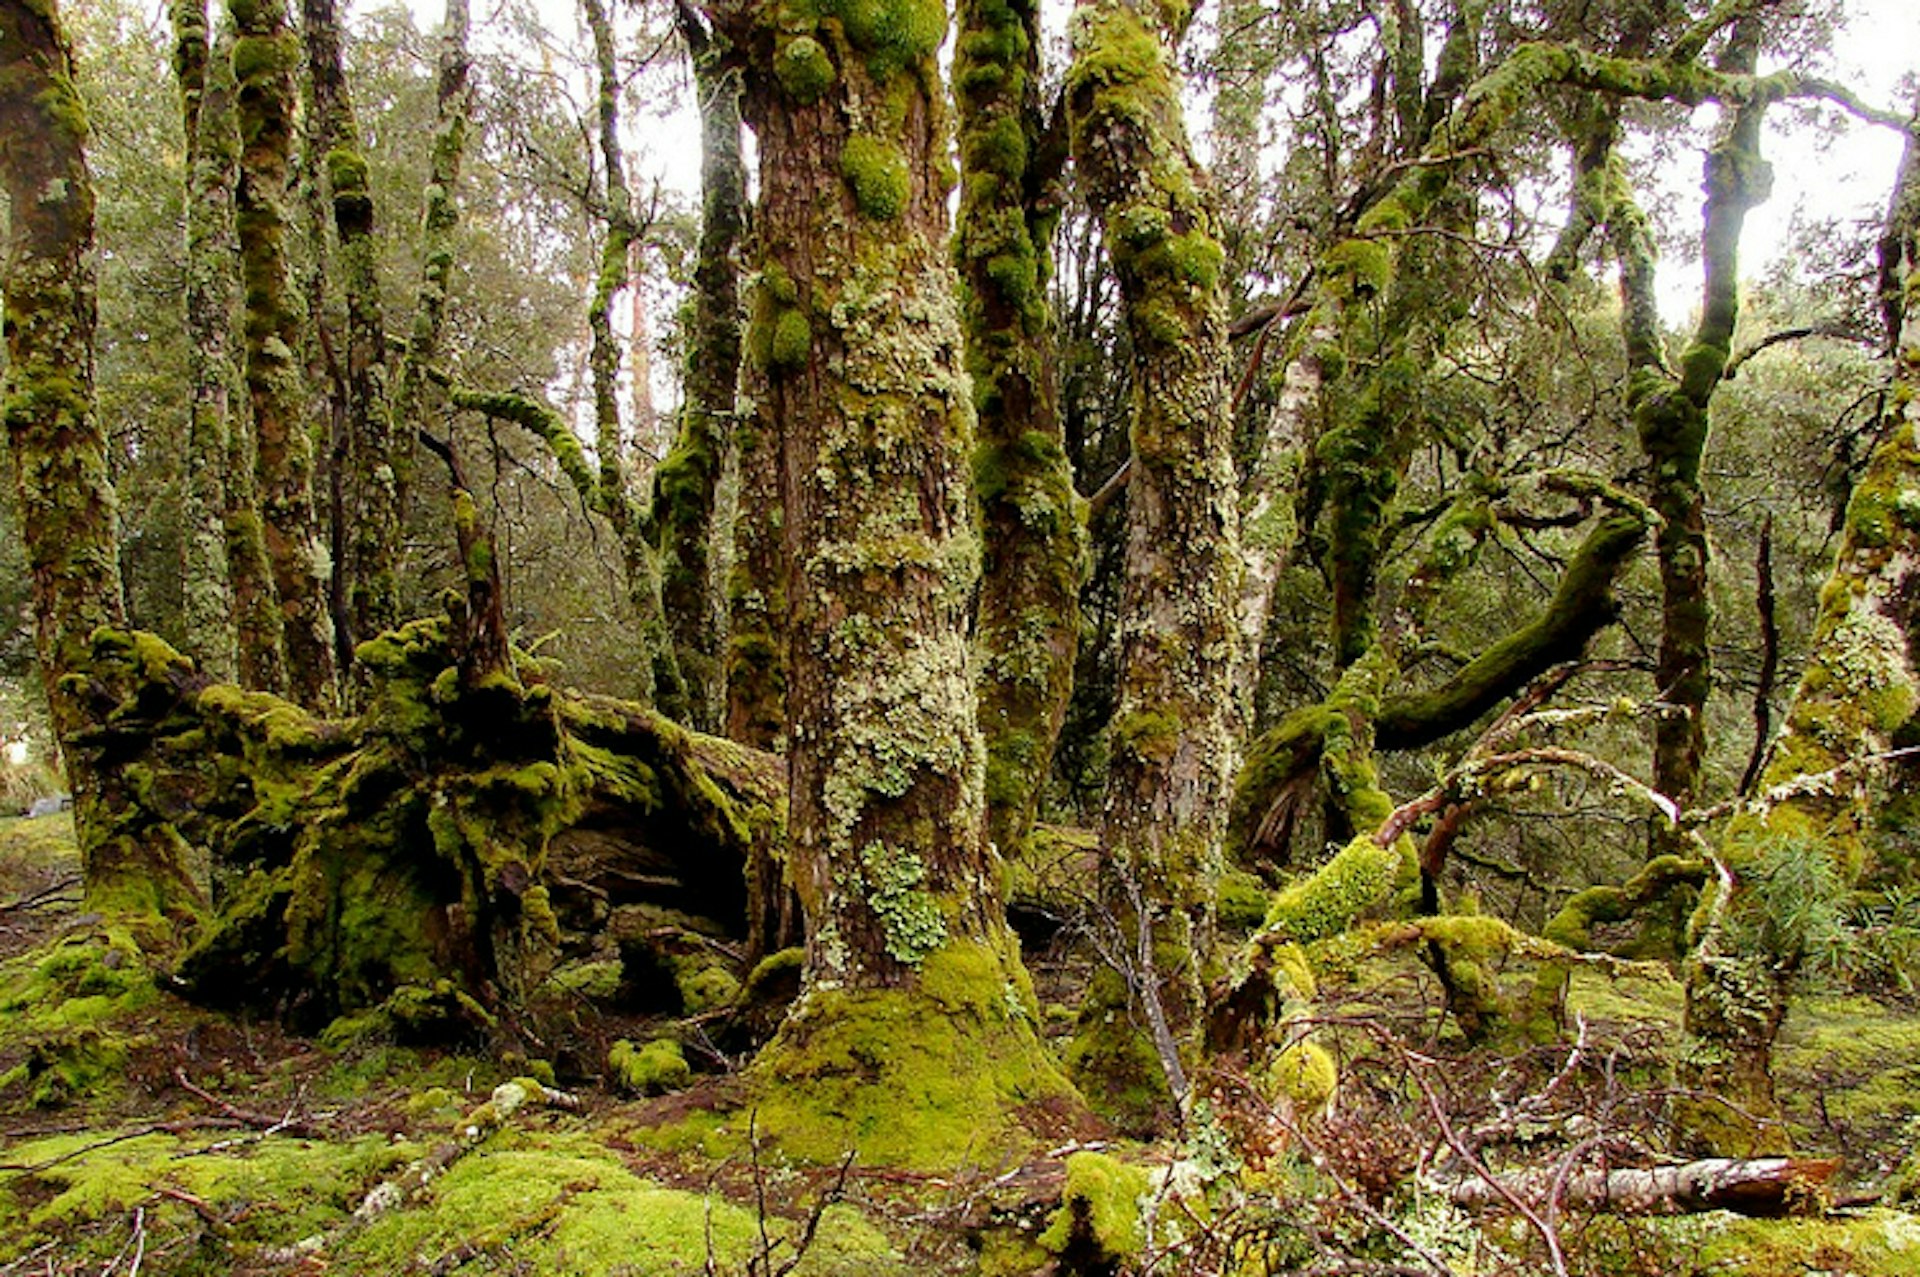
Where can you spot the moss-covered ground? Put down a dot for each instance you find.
(138, 1132)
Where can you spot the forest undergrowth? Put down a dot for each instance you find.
(141, 1134)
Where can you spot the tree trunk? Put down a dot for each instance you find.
(1028, 625)
(264, 58)
(662, 676)
(1817, 794)
(59, 451)
(914, 1037)
(686, 487)
(1173, 726)
(370, 537)
(416, 394)
(205, 76)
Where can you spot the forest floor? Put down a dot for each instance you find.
(139, 1134)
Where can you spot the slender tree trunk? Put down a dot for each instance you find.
(58, 450)
(1172, 732)
(757, 585)
(416, 395)
(1028, 627)
(264, 59)
(370, 533)
(662, 677)
(911, 968)
(205, 74)
(687, 484)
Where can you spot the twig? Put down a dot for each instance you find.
(266, 1123)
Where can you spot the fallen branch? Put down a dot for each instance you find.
(1765, 1187)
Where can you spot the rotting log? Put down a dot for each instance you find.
(1764, 1187)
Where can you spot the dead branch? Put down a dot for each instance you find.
(1764, 1187)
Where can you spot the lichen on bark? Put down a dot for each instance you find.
(856, 335)
(1173, 725)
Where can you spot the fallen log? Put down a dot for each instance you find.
(1763, 1187)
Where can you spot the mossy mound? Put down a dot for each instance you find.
(926, 1078)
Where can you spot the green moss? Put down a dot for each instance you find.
(657, 1067)
(1303, 1074)
(803, 69)
(1360, 877)
(1242, 902)
(790, 342)
(1113, 1064)
(259, 57)
(927, 1077)
(894, 34)
(1100, 1212)
(877, 173)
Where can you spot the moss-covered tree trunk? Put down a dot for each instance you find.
(1856, 698)
(265, 56)
(1028, 625)
(661, 678)
(58, 450)
(416, 394)
(1173, 728)
(1670, 414)
(917, 1021)
(205, 77)
(369, 536)
(686, 487)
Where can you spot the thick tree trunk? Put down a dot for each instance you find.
(58, 450)
(264, 58)
(914, 1037)
(205, 76)
(1028, 624)
(1173, 727)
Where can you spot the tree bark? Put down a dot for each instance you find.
(205, 77)
(1766, 1187)
(683, 517)
(661, 680)
(370, 539)
(264, 58)
(1173, 726)
(854, 327)
(1028, 624)
(59, 452)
